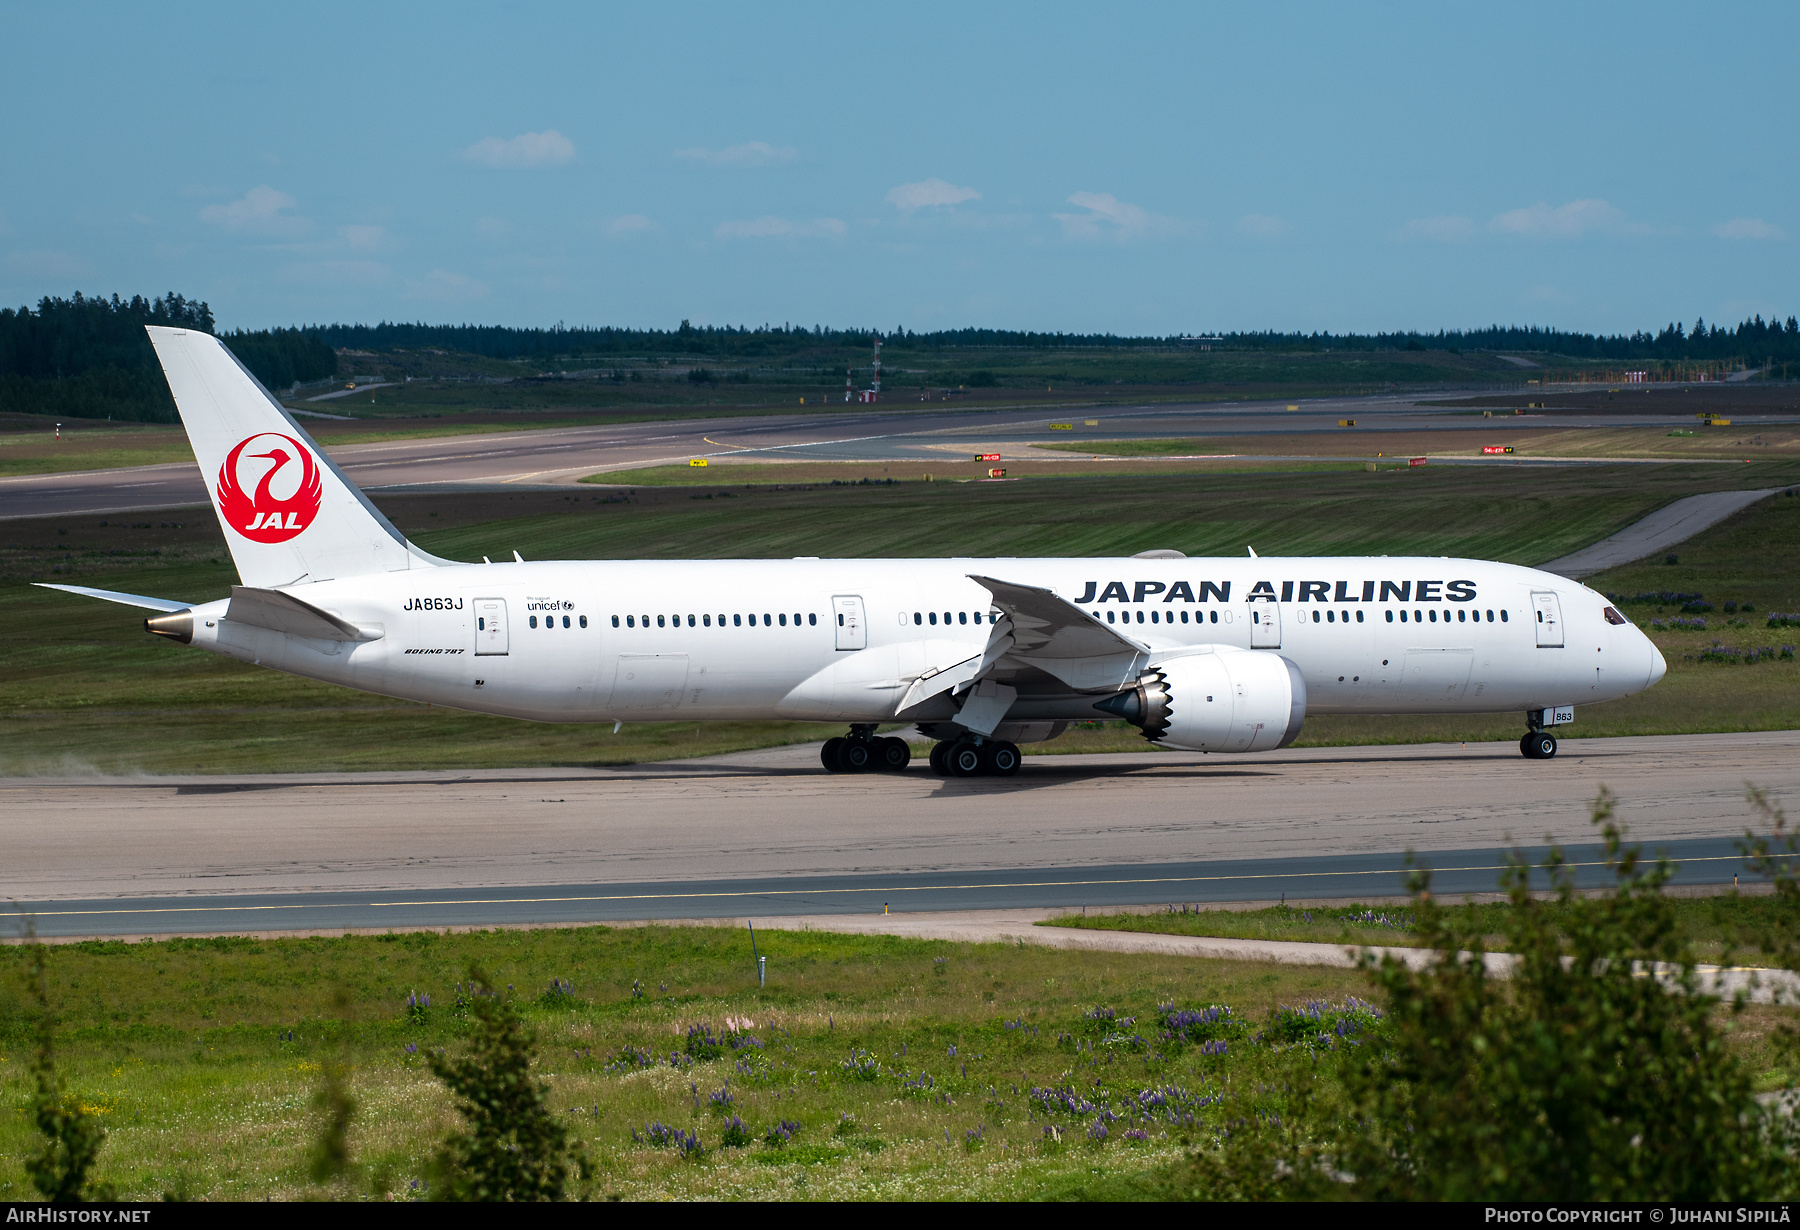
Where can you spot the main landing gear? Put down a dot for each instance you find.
(862, 752)
(968, 758)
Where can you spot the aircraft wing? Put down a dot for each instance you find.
(1054, 635)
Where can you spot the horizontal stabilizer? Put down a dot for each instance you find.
(149, 604)
(279, 612)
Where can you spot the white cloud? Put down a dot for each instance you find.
(1444, 228)
(47, 264)
(1109, 217)
(363, 238)
(260, 211)
(771, 227)
(1570, 221)
(442, 286)
(1748, 228)
(749, 154)
(630, 224)
(929, 192)
(548, 148)
(1263, 226)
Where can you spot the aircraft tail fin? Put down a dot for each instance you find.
(290, 515)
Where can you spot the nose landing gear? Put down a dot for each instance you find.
(1538, 745)
(862, 752)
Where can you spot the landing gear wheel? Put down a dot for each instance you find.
(999, 759)
(892, 755)
(938, 759)
(964, 759)
(1538, 745)
(830, 754)
(857, 756)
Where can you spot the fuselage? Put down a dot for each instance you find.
(845, 639)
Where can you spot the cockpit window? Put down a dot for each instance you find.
(1613, 616)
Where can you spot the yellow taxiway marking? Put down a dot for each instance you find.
(766, 892)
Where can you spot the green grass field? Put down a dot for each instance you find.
(83, 689)
(886, 1052)
(904, 1069)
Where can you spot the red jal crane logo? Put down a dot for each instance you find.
(287, 496)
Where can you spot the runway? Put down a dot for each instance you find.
(768, 833)
(560, 456)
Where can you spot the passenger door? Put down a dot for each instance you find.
(1549, 619)
(490, 627)
(1265, 625)
(852, 630)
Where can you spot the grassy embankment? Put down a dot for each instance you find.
(1713, 925)
(82, 688)
(1529, 440)
(179, 1046)
(906, 1066)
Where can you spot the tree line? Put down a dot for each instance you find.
(85, 357)
(1752, 339)
(88, 357)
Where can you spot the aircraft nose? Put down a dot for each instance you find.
(1658, 667)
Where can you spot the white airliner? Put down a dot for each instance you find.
(1204, 654)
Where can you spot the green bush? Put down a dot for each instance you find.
(1597, 1071)
(513, 1148)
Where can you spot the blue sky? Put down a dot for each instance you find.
(1135, 168)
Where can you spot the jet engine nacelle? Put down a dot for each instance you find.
(1230, 700)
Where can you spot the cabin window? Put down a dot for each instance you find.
(1153, 618)
(1390, 617)
(1184, 618)
(1462, 617)
(1503, 617)
(1109, 617)
(962, 617)
(1359, 617)
(534, 621)
(812, 620)
(1490, 617)
(768, 620)
(1402, 616)
(1140, 615)
(659, 621)
(737, 621)
(690, 621)
(796, 619)
(1215, 616)
(630, 621)
(615, 619)
(1434, 615)
(706, 621)
(480, 624)
(918, 618)
(784, 619)
(977, 616)
(1330, 617)
(584, 621)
